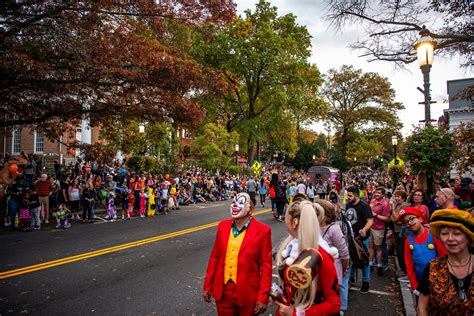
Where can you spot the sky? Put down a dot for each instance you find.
(330, 49)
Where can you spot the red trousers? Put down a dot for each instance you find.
(228, 306)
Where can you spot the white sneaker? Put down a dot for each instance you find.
(115, 216)
(123, 216)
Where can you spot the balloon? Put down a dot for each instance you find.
(12, 168)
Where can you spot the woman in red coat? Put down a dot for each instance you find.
(322, 295)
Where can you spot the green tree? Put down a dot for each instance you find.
(364, 150)
(158, 140)
(263, 57)
(358, 100)
(215, 147)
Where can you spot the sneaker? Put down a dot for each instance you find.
(37, 228)
(46, 222)
(364, 289)
(379, 271)
(123, 217)
(279, 219)
(385, 268)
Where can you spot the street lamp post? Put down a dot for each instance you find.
(425, 51)
(395, 143)
(236, 154)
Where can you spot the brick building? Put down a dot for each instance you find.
(14, 140)
(17, 139)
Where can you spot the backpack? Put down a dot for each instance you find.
(280, 192)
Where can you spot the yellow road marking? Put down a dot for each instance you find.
(100, 252)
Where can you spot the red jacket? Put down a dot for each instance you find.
(254, 267)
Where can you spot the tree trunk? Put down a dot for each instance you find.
(249, 151)
(258, 150)
(345, 141)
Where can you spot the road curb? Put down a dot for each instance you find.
(407, 297)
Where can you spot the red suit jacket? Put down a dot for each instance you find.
(254, 265)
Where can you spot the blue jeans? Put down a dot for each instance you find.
(273, 205)
(345, 289)
(13, 208)
(366, 270)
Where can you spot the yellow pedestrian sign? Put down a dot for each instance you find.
(256, 167)
(400, 162)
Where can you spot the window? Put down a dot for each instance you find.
(16, 140)
(39, 142)
(79, 133)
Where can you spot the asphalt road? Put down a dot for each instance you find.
(161, 277)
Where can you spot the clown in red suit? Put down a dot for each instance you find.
(239, 272)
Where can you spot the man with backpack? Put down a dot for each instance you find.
(359, 214)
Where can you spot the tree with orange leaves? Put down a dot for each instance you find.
(63, 61)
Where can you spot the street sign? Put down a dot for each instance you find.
(400, 162)
(256, 167)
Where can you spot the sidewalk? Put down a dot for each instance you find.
(383, 298)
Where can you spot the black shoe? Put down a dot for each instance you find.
(364, 289)
(379, 271)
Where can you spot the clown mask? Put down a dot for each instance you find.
(241, 206)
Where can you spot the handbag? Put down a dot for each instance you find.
(358, 253)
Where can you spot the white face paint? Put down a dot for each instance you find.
(240, 207)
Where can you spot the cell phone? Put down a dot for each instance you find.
(275, 298)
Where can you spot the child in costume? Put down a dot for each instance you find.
(111, 210)
(143, 199)
(123, 193)
(420, 246)
(164, 198)
(131, 204)
(151, 203)
(24, 216)
(62, 217)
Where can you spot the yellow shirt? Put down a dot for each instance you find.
(232, 256)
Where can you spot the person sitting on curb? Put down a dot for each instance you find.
(420, 247)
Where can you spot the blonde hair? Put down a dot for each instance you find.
(308, 237)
